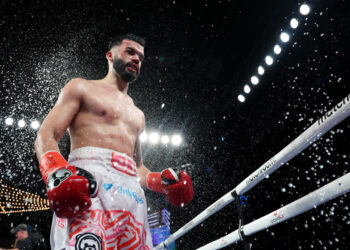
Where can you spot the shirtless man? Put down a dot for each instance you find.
(97, 196)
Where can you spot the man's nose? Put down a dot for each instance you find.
(135, 60)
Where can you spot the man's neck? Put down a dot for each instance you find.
(115, 80)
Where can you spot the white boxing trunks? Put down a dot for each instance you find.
(117, 218)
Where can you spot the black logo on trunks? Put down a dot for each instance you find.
(58, 177)
(88, 241)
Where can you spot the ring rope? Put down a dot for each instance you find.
(328, 192)
(331, 118)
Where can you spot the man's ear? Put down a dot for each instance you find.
(109, 56)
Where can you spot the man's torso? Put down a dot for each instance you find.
(107, 118)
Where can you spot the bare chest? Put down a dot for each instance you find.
(113, 109)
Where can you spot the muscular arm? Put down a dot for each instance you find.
(59, 118)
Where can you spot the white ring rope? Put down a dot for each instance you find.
(331, 118)
(330, 191)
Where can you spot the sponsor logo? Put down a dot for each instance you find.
(223, 242)
(58, 177)
(276, 217)
(188, 225)
(131, 195)
(88, 241)
(123, 164)
(262, 170)
(215, 206)
(107, 186)
(333, 110)
(61, 222)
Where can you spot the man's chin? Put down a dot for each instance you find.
(129, 77)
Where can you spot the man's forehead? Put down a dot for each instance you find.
(132, 44)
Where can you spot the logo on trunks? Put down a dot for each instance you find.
(262, 170)
(277, 216)
(88, 241)
(58, 177)
(107, 186)
(61, 222)
(333, 110)
(131, 195)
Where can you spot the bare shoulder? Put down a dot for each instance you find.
(77, 84)
(76, 87)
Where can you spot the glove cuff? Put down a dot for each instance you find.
(154, 182)
(51, 161)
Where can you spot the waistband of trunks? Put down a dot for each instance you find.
(120, 162)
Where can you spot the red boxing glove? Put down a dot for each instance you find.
(69, 188)
(177, 187)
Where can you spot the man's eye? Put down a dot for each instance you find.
(131, 52)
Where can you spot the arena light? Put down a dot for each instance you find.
(153, 138)
(21, 123)
(9, 121)
(35, 124)
(261, 70)
(241, 98)
(165, 139)
(304, 9)
(13, 200)
(277, 49)
(268, 60)
(143, 136)
(176, 140)
(294, 23)
(284, 37)
(246, 89)
(254, 80)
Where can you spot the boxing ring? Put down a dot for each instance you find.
(328, 192)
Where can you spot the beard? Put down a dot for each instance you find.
(120, 65)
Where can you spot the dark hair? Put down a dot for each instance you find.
(119, 39)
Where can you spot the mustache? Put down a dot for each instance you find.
(132, 65)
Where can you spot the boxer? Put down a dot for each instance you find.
(96, 194)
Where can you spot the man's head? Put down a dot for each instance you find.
(125, 56)
(21, 231)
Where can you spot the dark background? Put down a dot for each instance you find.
(199, 55)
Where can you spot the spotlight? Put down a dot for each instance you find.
(277, 49)
(154, 138)
(247, 89)
(261, 70)
(21, 123)
(304, 9)
(9, 121)
(35, 124)
(294, 23)
(143, 136)
(165, 139)
(176, 140)
(284, 37)
(241, 98)
(269, 60)
(254, 80)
